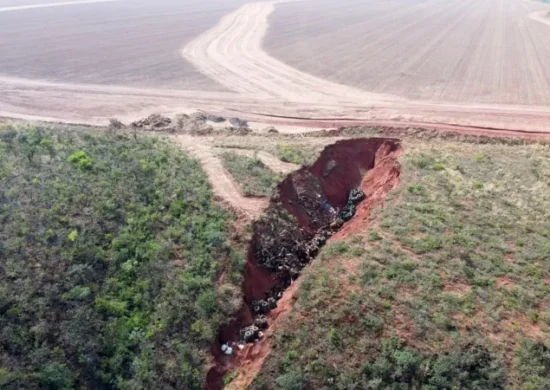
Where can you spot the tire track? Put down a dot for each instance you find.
(60, 4)
(231, 53)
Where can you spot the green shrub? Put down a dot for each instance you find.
(532, 361)
(90, 295)
(81, 160)
(423, 161)
(337, 248)
(291, 154)
(291, 380)
(255, 178)
(400, 367)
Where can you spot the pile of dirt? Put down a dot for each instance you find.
(154, 122)
(194, 124)
(306, 210)
(115, 124)
(237, 123)
(270, 130)
(215, 118)
(197, 123)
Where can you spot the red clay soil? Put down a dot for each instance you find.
(370, 163)
(376, 184)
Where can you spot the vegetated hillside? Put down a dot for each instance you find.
(447, 287)
(110, 247)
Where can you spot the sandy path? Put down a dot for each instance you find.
(33, 6)
(96, 104)
(221, 180)
(231, 53)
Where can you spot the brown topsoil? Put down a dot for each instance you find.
(369, 163)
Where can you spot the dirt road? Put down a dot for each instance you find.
(221, 181)
(231, 53)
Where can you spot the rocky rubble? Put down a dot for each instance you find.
(285, 249)
(348, 211)
(153, 122)
(238, 123)
(215, 118)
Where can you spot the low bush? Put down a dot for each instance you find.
(255, 178)
(109, 250)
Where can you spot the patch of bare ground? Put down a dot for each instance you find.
(436, 50)
(505, 282)
(457, 287)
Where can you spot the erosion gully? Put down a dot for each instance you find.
(299, 219)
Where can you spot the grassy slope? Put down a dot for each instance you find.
(255, 178)
(447, 288)
(109, 250)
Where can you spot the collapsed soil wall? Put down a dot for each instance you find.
(299, 218)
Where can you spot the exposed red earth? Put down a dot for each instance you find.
(370, 163)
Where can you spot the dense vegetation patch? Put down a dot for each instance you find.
(293, 154)
(255, 178)
(448, 288)
(110, 247)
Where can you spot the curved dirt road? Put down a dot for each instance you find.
(231, 53)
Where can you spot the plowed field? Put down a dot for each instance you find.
(482, 51)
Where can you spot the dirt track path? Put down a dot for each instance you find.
(53, 4)
(221, 180)
(231, 53)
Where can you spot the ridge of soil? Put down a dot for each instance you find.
(369, 163)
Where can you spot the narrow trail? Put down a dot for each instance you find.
(221, 180)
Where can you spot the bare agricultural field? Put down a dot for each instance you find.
(380, 63)
(129, 42)
(465, 51)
